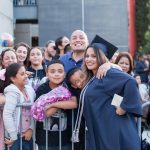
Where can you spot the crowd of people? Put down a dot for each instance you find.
(107, 90)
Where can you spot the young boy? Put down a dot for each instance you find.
(76, 78)
(56, 75)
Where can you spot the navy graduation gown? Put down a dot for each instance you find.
(106, 129)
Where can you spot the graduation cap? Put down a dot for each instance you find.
(108, 48)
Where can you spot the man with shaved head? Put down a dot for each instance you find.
(78, 43)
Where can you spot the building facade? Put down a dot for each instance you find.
(40, 21)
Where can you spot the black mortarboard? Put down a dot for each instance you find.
(108, 48)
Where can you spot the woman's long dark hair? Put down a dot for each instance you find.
(2, 86)
(11, 71)
(100, 56)
(28, 50)
(129, 57)
(42, 52)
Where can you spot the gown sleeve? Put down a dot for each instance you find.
(117, 82)
(131, 98)
(114, 81)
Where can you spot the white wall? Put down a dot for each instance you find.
(6, 16)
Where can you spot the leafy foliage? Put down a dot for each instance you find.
(143, 25)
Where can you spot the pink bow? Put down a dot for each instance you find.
(2, 74)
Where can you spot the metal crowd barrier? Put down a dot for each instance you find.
(139, 120)
(60, 144)
(21, 105)
(27, 104)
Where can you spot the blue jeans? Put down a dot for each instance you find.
(26, 145)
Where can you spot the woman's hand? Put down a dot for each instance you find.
(102, 70)
(27, 135)
(29, 73)
(9, 142)
(120, 111)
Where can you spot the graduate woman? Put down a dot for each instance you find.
(109, 127)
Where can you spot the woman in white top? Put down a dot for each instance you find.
(17, 92)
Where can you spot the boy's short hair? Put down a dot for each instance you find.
(55, 61)
(71, 72)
